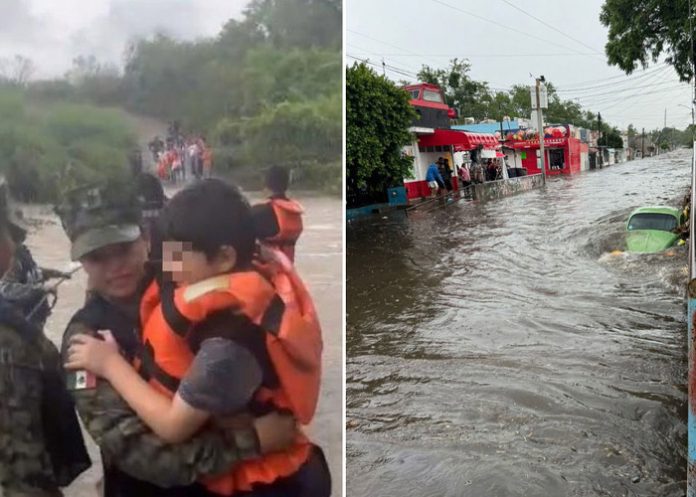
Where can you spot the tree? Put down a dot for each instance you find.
(378, 115)
(17, 70)
(642, 30)
(471, 98)
(298, 23)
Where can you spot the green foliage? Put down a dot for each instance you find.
(292, 133)
(266, 89)
(642, 30)
(378, 115)
(471, 98)
(46, 148)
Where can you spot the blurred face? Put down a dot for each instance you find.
(115, 271)
(186, 266)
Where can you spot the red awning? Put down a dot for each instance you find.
(460, 140)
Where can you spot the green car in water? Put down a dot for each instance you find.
(652, 229)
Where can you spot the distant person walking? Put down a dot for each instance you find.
(464, 175)
(446, 173)
(434, 179)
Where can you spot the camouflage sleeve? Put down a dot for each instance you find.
(25, 465)
(129, 444)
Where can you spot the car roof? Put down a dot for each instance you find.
(657, 209)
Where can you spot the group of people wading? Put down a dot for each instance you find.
(179, 156)
(194, 361)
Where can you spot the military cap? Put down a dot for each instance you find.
(100, 214)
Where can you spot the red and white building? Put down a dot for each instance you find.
(435, 139)
(565, 153)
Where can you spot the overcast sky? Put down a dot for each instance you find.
(53, 32)
(504, 46)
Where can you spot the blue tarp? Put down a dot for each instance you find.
(488, 127)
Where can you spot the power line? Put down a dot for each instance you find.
(490, 55)
(654, 77)
(619, 80)
(510, 28)
(621, 90)
(382, 42)
(551, 27)
(396, 70)
(378, 55)
(622, 76)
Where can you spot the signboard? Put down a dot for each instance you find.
(548, 142)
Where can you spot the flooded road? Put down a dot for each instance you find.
(499, 350)
(319, 261)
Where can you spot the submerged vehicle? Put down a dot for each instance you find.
(652, 229)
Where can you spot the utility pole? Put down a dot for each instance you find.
(642, 145)
(540, 124)
(599, 140)
(384, 68)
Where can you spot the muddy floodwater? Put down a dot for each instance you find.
(319, 261)
(501, 350)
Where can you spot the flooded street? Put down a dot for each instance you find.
(319, 261)
(499, 349)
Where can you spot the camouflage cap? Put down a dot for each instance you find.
(98, 215)
(10, 216)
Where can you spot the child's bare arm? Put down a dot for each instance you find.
(172, 420)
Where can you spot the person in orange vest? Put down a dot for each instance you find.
(207, 156)
(230, 329)
(278, 221)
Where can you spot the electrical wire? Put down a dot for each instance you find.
(552, 27)
(510, 28)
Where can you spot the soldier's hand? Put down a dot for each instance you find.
(276, 432)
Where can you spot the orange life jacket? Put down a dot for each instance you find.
(288, 213)
(273, 297)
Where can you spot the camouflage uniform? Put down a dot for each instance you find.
(27, 360)
(25, 465)
(94, 218)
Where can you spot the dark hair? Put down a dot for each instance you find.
(151, 191)
(209, 215)
(277, 179)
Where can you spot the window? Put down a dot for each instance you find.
(432, 96)
(414, 94)
(652, 221)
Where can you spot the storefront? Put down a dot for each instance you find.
(445, 143)
(564, 154)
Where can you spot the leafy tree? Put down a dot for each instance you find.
(642, 30)
(471, 98)
(298, 23)
(378, 115)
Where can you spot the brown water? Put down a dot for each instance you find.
(498, 350)
(320, 263)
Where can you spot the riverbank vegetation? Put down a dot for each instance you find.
(266, 90)
(47, 145)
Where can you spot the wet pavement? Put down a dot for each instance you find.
(500, 350)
